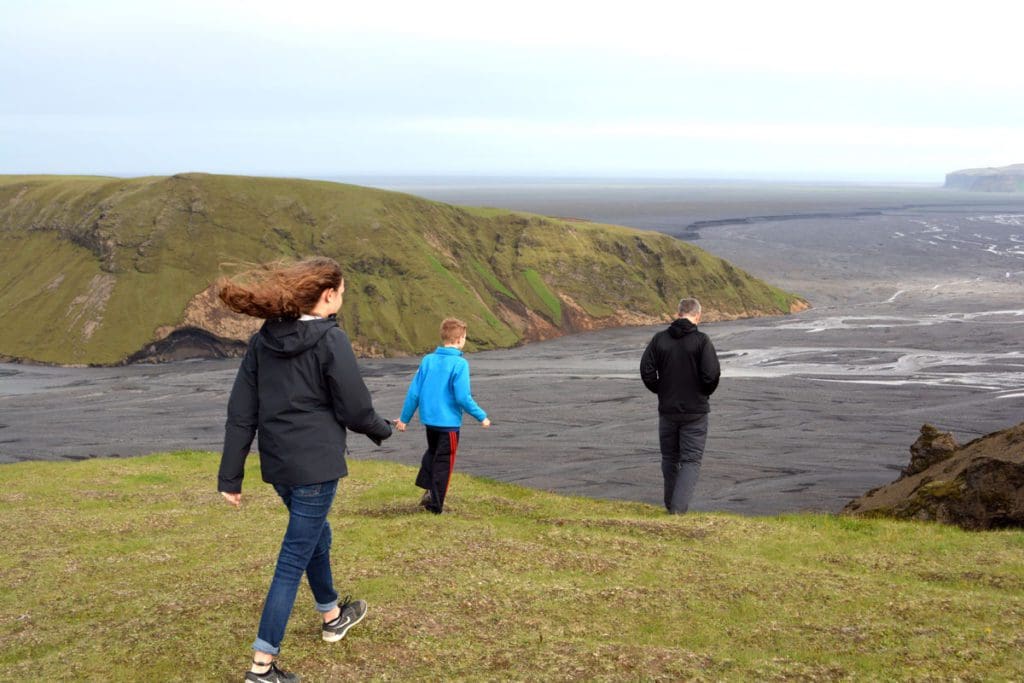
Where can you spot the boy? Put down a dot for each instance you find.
(440, 390)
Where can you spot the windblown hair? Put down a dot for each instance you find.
(451, 330)
(280, 289)
(688, 307)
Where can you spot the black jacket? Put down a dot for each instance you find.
(680, 365)
(299, 385)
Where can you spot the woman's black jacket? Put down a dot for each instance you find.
(300, 388)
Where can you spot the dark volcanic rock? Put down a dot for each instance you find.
(1005, 179)
(978, 486)
(187, 343)
(930, 448)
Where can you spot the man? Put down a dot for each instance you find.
(680, 365)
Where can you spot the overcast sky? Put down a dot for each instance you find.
(901, 91)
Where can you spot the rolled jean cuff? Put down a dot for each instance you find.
(263, 646)
(326, 607)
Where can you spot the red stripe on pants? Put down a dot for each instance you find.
(453, 442)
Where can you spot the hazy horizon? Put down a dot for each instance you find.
(494, 179)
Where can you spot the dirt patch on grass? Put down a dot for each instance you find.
(637, 527)
(1001, 582)
(390, 510)
(493, 505)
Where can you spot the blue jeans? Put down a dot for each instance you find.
(682, 448)
(306, 548)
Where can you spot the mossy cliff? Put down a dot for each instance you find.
(99, 270)
(979, 485)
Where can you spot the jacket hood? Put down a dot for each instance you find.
(292, 337)
(681, 327)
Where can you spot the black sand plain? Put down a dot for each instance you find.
(919, 317)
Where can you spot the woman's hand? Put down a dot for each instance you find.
(233, 498)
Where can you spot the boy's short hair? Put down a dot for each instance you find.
(689, 306)
(452, 329)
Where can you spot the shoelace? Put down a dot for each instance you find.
(341, 610)
(344, 603)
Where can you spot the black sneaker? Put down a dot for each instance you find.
(352, 612)
(427, 500)
(274, 675)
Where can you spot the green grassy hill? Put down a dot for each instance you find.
(97, 268)
(138, 570)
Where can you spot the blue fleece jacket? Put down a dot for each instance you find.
(440, 390)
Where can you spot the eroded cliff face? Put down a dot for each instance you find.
(1004, 179)
(206, 311)
(211, 330)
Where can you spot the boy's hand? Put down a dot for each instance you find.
(400, 426)
(233, 498)
(486, 423)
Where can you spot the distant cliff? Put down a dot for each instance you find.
(1005, 179)
(107, 270)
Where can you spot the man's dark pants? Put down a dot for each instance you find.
(682, 447)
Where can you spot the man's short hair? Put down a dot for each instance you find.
(688, 307)
(452, 329)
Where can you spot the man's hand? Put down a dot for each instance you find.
(400, 426)
(486, 423)
(233, 498)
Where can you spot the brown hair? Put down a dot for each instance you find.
(280, 289)
(452, 329)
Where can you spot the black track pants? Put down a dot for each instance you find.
(437, 466)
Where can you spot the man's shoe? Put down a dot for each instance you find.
(274, 675)
(352, 612)
(427, 500)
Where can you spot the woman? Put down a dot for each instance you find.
(299, 387)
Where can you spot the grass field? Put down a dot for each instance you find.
(137, 570)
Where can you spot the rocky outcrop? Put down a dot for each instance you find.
(930, 448)
(1005, 179)
(976, 486)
